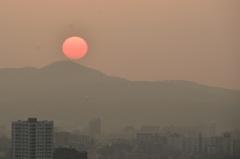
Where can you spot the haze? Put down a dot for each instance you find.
(137, 40)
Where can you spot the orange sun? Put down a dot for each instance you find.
(74, 47)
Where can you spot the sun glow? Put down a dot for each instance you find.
(74, 47)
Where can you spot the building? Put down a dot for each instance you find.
(5, 146)
(62, 139)
(77, 141)
(69, 153)
(212, 145)
(192, 145)
(236, 148)
(3, 131)
(176, 142)
(95, 127)
(145, 141)
(32, 139)
(144, 137)
(226, 144)
(149, 129)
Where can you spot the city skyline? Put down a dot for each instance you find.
(142, 143)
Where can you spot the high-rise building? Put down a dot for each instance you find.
(176, 142)
(95, 127)
(32, 139)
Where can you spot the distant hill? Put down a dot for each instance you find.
(71, 95)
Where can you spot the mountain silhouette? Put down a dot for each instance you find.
(71, 95)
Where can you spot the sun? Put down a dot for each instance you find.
(74, 47)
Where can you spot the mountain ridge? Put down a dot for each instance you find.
(67, 89)
(72, 65)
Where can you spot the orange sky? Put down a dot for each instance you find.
(134, 39)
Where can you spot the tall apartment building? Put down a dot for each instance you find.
(95, 127)
(32, 139)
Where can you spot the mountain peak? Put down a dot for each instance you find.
(74, 71)
(63, 64)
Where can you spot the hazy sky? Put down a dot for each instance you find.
(194, 40)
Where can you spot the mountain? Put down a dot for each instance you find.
(71, 95)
